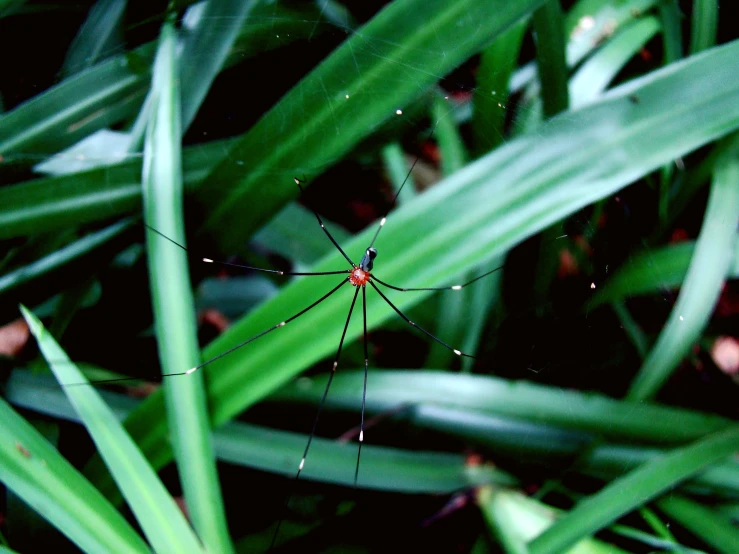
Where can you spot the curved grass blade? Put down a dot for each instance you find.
(37, 473)
(383, 468)
(550, 57)
(653, 270)
(114, 89)
(173, 304)
(482, 210)
(703, 522)
(205, 50)
(156, 511)
(54, 203)
(638, 487)
(516, 519)
(67, 259)
(700, 291)
(468, 418)
(593, 77)
(591, 413)
(336, 105)
(101, 31)
(391, 469)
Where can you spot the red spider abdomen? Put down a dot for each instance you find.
(359, 277)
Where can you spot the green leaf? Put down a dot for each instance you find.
(699, 293)
(593, 77)
(703, 25)
(99, 33)
(36, 472)
(156, 511)
(98, 194)
(638, 487)
(64, 264)
(389, 469)
(497, 63)
(650, 271)
(206, 48)
(550, 57)
(516, 519)
(476, 394)
(173, 304)
(711, 527)
(336, 105)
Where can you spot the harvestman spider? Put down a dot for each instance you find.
(359, 276)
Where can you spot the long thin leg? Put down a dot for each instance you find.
(241, 266)
(320, 222)
(448, 287)
(364, 387)
(395, 198)
(318, 413)
(401, 314)
(222, 354)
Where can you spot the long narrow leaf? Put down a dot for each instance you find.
(174, 311)
(47, 482)
(156, 511)
(337, 104)
(709, 266)
(633, 490)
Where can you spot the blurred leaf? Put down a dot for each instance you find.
(699, 293)
(638, 487)
(703, 522)
(46, 481)
(550, 57)
(654, 270)
(213, 27)
(516, 519)
(66, 201)
(331, 461)
(318, 121)
(175, 324)
(704, 23)
(548, 406)
(593, 77)
(497, 63)
(158, 515)
(287, 234)
(100, 33)
(63, 266)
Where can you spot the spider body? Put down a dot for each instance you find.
(360, 275)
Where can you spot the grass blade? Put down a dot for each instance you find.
(633, 490)
(550, 57)
(708, 268)
(206, 49)
(100, 32)
(598, 414)
(711, 527)
(299, 136)
(174, 311)
(36, 472)
(703, 25)
(156, 511)
(654, 270)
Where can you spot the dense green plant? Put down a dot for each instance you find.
(574, 178)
